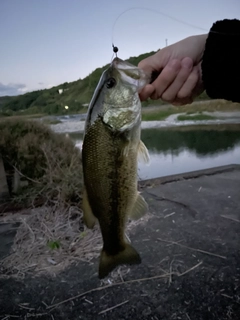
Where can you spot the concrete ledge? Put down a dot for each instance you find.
(188, 175)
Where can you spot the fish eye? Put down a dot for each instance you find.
(110, 83)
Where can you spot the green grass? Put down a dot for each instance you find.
(157, 115)
(53, 244)
(195, 117)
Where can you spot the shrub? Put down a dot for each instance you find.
(49, 161)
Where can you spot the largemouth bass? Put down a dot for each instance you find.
(111, 147)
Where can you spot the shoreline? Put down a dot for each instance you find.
(171, 121)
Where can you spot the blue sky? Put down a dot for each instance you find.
(47, 42)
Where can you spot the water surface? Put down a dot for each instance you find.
(184, 149)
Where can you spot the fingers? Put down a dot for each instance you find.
(169, 82)
(189, 85)
(146, 92)
(173, 90)
(166, 78)
(192, 88)
(151, 64)
(179, 83)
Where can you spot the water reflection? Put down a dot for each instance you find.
(178, 150)
(203, 141)
(164, 164)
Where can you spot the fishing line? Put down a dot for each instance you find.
(154, 11)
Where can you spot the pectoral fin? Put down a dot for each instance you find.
(126, 149)
(143, 155)
(88, 217)
(139, 209)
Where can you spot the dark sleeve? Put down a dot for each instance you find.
(221, 61)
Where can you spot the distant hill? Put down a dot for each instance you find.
(49, 101)
(4, 100)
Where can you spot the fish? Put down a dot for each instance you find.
(111, 149)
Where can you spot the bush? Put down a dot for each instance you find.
(49, 161)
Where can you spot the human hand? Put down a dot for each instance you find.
(180, 66)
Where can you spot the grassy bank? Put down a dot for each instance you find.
(157, 115)
(158, 112)
(195, 117)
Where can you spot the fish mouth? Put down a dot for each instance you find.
(130, 73)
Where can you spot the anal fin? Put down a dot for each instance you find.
(139, 209)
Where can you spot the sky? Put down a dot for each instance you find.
(44, 43)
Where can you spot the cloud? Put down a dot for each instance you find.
(15, 89)
(12, 89)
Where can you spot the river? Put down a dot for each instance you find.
(182, 149)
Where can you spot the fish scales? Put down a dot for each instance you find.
(111, 146)
(110, 183)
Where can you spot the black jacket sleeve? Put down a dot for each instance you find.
(221, 61)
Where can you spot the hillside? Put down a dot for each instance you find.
(48, 101)
(4, 100)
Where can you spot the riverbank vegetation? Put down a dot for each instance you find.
(194, 111)
(195, 117)
(48, 164)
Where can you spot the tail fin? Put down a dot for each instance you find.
(107, 263)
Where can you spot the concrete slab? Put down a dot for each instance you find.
(194, 232)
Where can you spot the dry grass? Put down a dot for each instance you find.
(50, 239)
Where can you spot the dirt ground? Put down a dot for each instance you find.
(190, 249)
